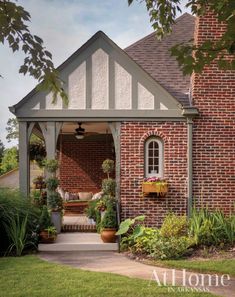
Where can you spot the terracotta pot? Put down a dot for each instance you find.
(108, 235)
(47, 238)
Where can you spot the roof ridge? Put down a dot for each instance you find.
(153, 33)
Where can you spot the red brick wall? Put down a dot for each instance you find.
(214, 130)
(81, 160)
(133, 136)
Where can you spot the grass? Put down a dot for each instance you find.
(226, 266)
(30, 276)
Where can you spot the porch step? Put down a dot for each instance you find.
(78, 228)
(78, 242)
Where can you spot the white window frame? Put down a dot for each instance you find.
(161, 161)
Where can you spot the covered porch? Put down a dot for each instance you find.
(118, 103)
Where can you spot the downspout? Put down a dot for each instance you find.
(190, 165)
(190, 113)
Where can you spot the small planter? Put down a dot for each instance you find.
(47, 237)
(159, 188)
(108, 235)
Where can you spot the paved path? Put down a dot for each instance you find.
(118, 263)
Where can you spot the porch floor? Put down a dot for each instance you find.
(78, 242)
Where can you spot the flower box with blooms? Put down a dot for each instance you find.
(155, 185)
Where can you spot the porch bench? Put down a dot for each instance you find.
(75, 206)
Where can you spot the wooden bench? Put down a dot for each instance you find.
(75, 207)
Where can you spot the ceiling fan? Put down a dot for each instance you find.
(80, 132)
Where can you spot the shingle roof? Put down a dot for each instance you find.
(154, 57)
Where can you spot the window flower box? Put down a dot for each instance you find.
(155, 185)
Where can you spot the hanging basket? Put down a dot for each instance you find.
(160, 189)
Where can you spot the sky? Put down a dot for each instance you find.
(64, 25)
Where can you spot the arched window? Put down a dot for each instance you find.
(153, 157)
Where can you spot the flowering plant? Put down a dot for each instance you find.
(155, 185)
(154, 179)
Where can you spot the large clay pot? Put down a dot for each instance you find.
(45, 237)
(108, 235)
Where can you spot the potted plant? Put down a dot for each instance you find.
(54, 200)
(52, 183)
(93, 213)
(155, 185)
(51, 165)
(109, 225)
(55, 204)
(108, 167)
(39, 182)
(48, 232)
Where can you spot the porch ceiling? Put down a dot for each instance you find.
(101, 128)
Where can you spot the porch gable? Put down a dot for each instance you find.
(102, 81)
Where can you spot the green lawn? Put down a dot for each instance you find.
(30, 276)
(220, 266)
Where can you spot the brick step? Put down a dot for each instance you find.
(78, 228)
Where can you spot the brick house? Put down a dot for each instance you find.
(137, 108)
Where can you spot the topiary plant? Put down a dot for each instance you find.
(108, 166)
(109, 186)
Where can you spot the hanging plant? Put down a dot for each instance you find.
(51, 165)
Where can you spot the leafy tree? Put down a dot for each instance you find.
(38, 61)
(190, 56)
(12, 129)
(2, 148)
(9, 160)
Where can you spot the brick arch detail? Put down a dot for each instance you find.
(149, 134)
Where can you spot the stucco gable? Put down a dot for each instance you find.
(101, 80)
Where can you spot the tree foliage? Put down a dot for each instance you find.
(12, 129)
(190, 56)
(38, 61)
(2, 148)
(9, 160)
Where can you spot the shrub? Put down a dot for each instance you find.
(16, 230)
(109, 186)
(142, 244)
(174, 225)
(92, 211)
(14, 209)
(171, 248)
(54, 201)
(51, 165)
(110, 219)
(52, 183)
(164, 243)
(45, 219)
(211, 228)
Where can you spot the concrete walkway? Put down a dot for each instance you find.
(119, 264)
